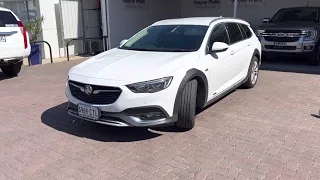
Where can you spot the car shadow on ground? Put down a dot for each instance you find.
(294, 65)
(5, 77)
(58, 118)
(316, 116)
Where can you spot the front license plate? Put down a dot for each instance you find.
(280, 43)
(88, 112)
(3, 39)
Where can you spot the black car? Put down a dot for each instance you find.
(292, 31)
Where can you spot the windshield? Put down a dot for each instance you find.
(298, 14)
(175, 38)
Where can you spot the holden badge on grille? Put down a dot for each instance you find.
(88, 90)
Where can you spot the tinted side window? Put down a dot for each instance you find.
(219, 34)
(234, 32)
(246, 30)
(7, 19)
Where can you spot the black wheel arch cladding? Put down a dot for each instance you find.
(257, 53)
(202, 92)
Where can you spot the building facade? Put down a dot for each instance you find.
(120, 19)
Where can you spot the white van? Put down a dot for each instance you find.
(14, 43)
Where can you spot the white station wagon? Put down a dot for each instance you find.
(164, 73)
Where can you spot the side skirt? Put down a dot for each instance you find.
(225, 92)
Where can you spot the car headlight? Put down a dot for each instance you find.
(151, 86)
(309, 35)
(259, 32)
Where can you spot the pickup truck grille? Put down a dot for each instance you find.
(283, 31)
(281, 39)
(282, 35)
(102, 95)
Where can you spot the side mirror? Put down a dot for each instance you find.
(219, 47)
(123, 42)
(266, 20)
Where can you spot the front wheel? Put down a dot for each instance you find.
(253, 73)
(12, 69)
(187, 111)
(314, 60)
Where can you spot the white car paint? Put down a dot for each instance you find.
(13, 48)
(119, 67)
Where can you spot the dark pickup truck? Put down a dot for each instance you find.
(292, 31)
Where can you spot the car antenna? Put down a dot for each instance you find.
(308, 3)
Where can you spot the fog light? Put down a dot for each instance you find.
(150, 116)
(308, 47)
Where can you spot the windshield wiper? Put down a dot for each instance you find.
(181, 50)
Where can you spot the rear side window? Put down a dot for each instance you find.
(7, 19)
(246, 30)
(234, 32)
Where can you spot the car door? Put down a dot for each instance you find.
(238, 52)
(218, 63)
(11, 38)
(249, 49)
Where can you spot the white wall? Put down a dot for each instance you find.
(66, 22)
(127, 17)
(49, 27)
(251, 10)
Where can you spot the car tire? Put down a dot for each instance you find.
(187, 111)
(12, 69)
(315, 59)
(253, 73)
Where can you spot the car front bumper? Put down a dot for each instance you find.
(298, 47)
(128, 117)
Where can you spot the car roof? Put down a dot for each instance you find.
(4, 9)
(205, 21)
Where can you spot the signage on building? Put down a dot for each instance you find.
(248, 3)
(206, 3)
(134, 3)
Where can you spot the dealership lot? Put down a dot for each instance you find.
(269, 132)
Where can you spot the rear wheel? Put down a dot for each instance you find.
(12, 69)
(253, 73)
(187, 111)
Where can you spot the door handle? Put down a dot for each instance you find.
(232, 52)
(248, 44)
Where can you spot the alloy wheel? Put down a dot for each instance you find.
(254, 72)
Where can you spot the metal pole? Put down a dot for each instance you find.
(235, 8)
(104, 22)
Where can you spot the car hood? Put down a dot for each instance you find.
(288, 25)
(132, 66)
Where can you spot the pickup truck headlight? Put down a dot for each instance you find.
(151, 86)
(309, 35)
(259, 32)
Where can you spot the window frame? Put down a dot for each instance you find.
(242, 29)
(243, 38)
(213, 28)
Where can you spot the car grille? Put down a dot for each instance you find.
(283, 31)
(107, 95)
(280, 47)
(281, 39)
